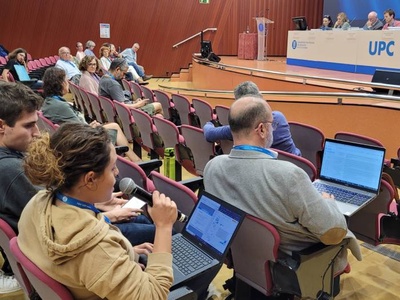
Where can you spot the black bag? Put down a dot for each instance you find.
(174, 116)
(390, 223)
(194, 120)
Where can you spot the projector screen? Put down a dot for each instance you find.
(357, 10)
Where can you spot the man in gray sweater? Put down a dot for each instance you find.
(273, 190)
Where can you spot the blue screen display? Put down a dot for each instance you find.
(357, 10)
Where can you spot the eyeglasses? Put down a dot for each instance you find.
(65, 52)
(92, 64)
(273, 123)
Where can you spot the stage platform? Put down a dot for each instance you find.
(272, 74)
(330, 100)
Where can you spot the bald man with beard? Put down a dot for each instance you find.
(252, 179)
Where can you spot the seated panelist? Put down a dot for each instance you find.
(327, 23)
(342, 22)
(373, 22)
(390, 20)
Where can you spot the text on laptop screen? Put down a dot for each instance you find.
(212, 224)
(351, 164)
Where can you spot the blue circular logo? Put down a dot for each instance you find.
(294, 44)
(261, 27)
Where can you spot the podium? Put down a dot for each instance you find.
(247, 48)
(262, 29)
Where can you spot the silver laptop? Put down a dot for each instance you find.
(206, 237)
(351, 172)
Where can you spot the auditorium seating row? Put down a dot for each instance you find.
(155, 134)
(36, 67)
(182, 128)
(33, 280)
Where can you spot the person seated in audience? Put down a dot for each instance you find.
(89, 48)
(18, 57)
(327, 23)
(18, 127)
(273, 190)
(373, 22)
(390, 20)
(113, 52)
(89, 66)
(65, 63)
(130, 54)
(79, 52)
(3, 51)
(110, 87)
(59, 111)
(77, 165)
(18, 117)
(342, 22)
(105, 60)
(282, 136)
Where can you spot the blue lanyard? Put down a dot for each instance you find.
(255, 148)
(80, 204)
(57, 97)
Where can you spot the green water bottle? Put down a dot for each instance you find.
(169, 163)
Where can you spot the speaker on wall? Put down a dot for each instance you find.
(213, 57)
(206, 49)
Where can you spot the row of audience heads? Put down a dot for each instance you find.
(49, 160)
(327, 21)
(105, 50)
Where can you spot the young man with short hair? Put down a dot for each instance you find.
(18, 126)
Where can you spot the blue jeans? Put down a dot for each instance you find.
(138, 231)
(137, 69)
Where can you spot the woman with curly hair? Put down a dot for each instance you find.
(65, 235)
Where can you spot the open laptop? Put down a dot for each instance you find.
(206, 237)
(351, 172)
(24, 76)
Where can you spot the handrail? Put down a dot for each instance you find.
(193, 36)
(302, 77)
(337, 97)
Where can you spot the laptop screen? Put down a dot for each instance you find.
(352, 164)
(213, 224)
(22, 73)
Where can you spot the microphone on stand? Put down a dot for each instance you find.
(129, 187)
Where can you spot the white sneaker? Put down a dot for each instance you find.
(8, 284)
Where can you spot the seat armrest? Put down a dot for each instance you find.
(148, 166)
(316, 269)
(195, 184)
(309, 271)
(182, 293)
(121, 149)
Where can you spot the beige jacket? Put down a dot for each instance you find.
(92, 258)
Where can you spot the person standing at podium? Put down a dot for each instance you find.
(373, 22)
(342, 22)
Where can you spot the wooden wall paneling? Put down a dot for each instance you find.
(43, 26)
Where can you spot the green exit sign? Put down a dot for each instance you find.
(205, 1)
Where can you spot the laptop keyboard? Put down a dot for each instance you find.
(342, 195)
(187, 257)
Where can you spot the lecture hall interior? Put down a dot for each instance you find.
(336, 84)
